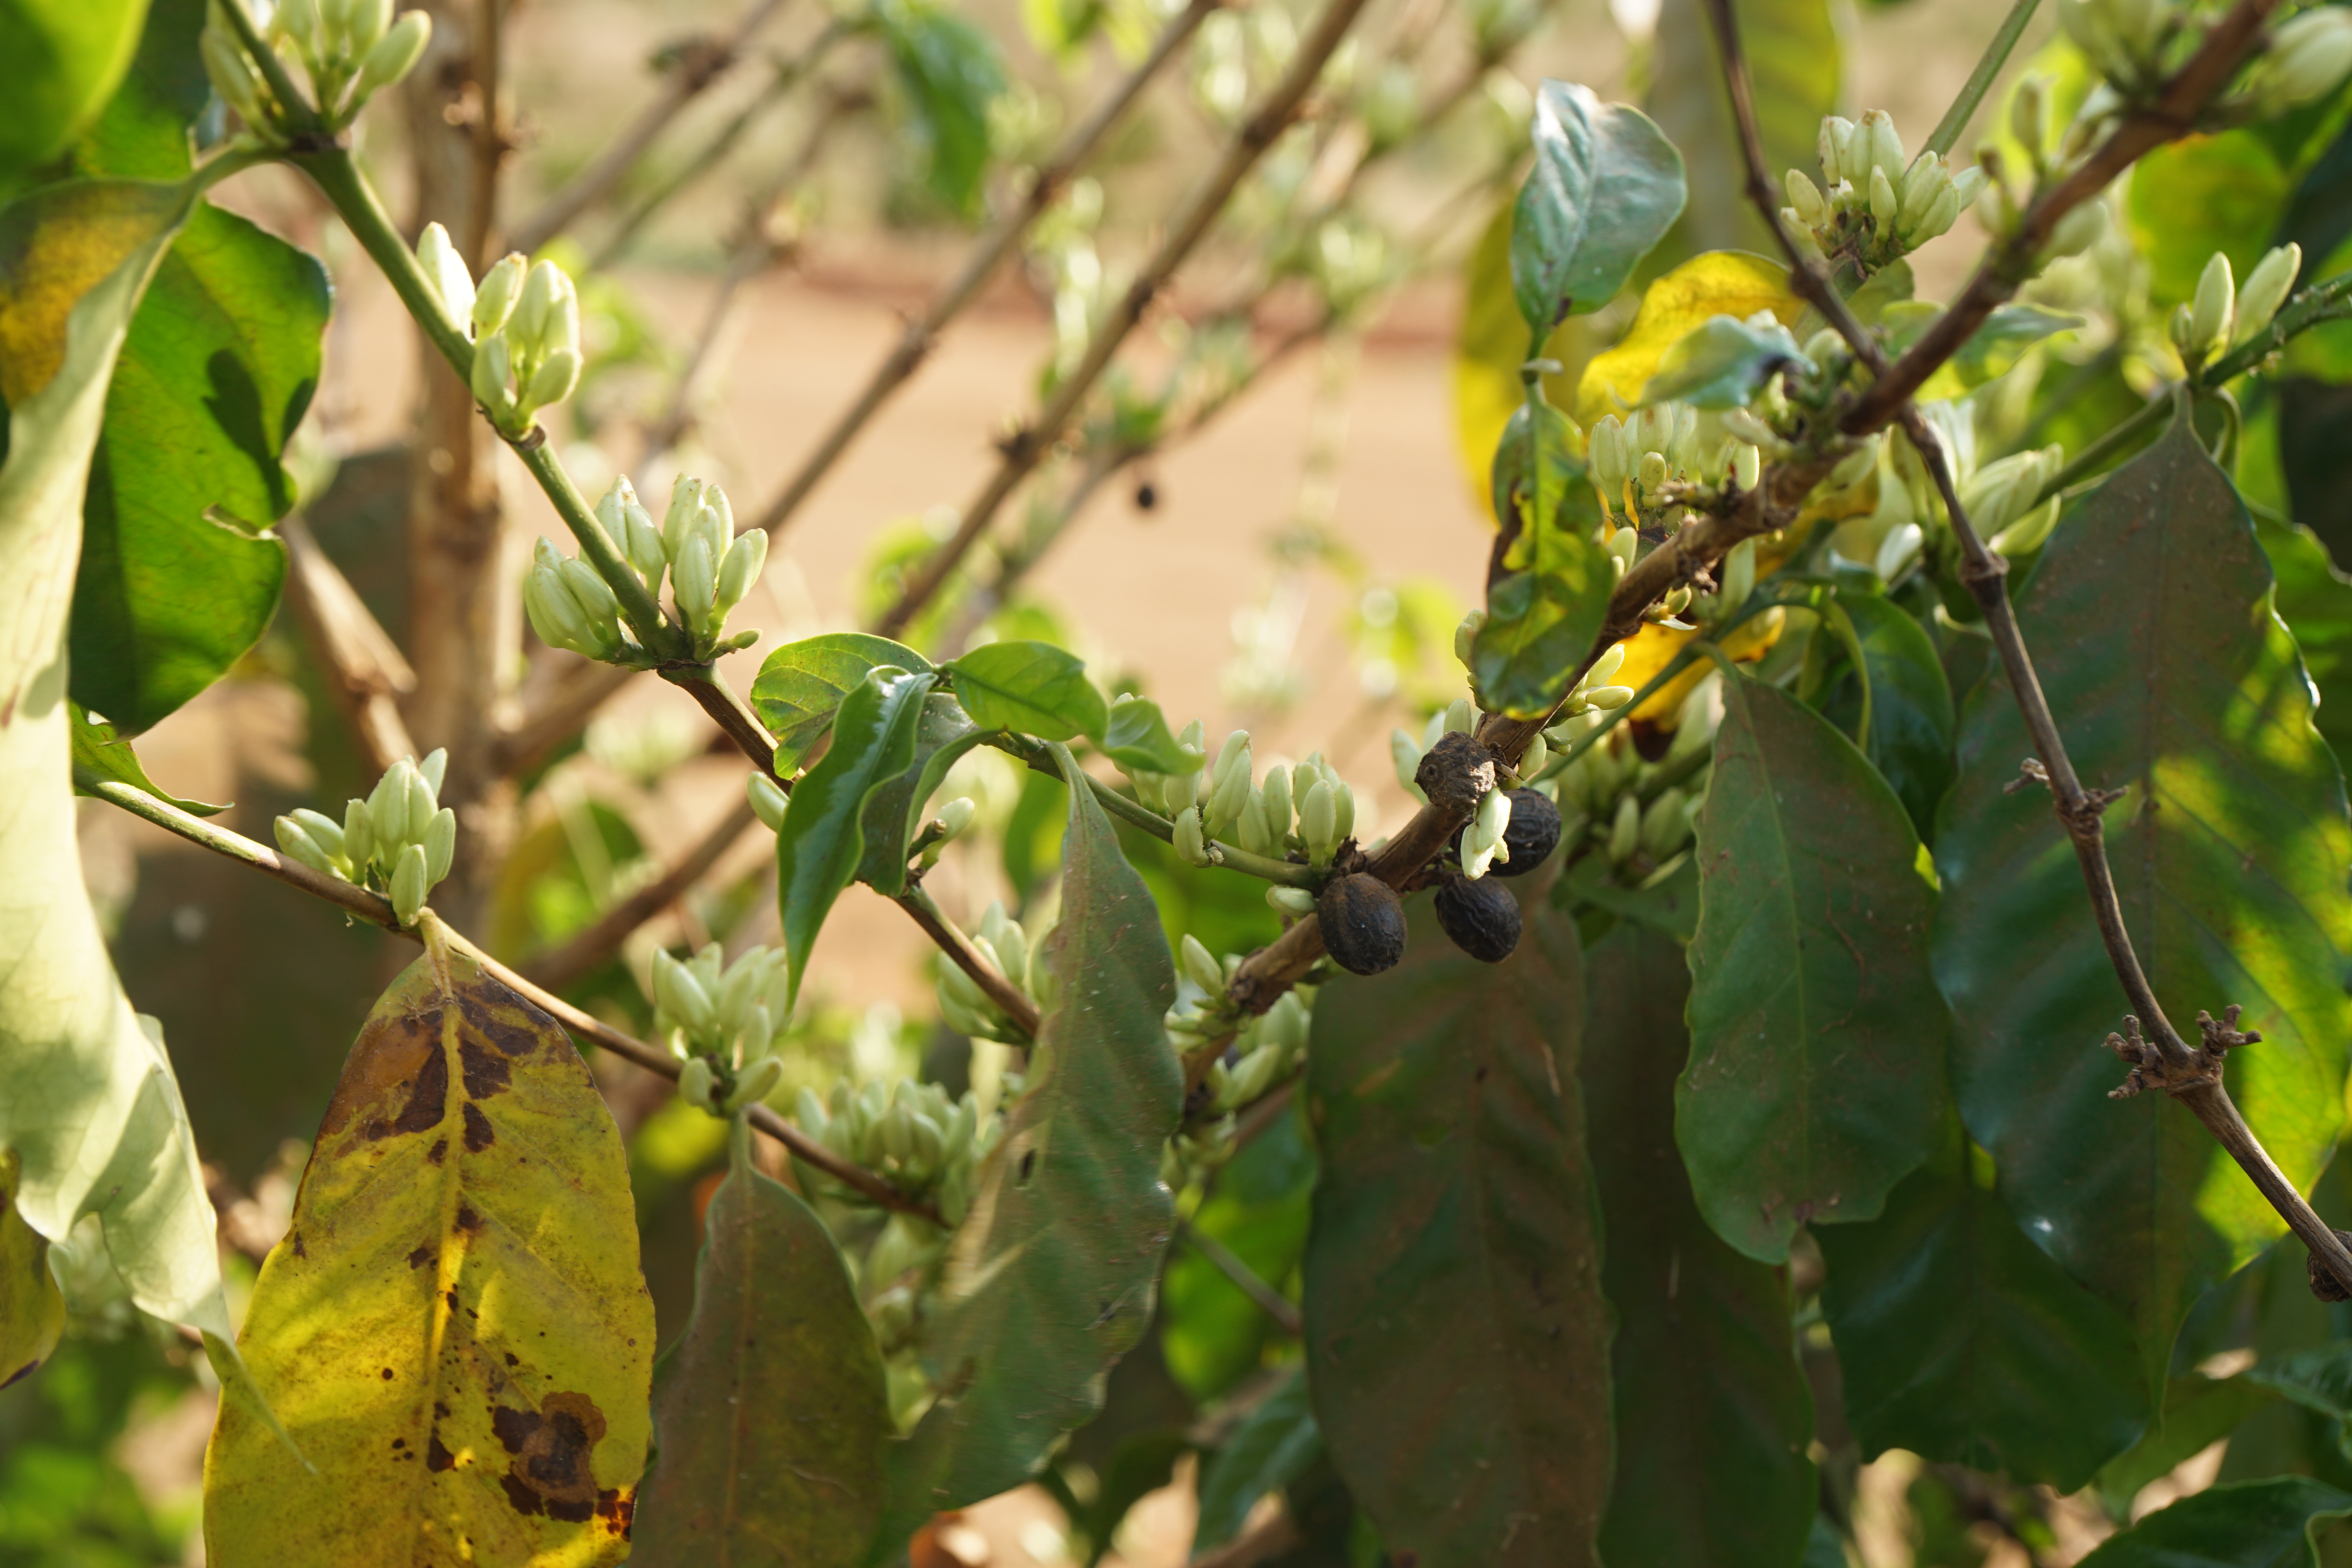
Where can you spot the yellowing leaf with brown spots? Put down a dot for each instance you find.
(455, 1329)
(1719, 283)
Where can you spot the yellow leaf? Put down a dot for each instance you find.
(1491, 344)
(455, 1329)
(1719, 283)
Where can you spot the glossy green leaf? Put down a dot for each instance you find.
(1267, 1452)
(64, 58)
(1604, 188)
(1794, 64)
(2243, 1524)
(801, 684)
(1454, 1268)
(823, 841)
(1050, 1279)
(2318, 1379)
(949, 75)
(2227, 846)
(1544, 612)
(1212, 1335)
(768, 1415)
(1136, 738)
(218, 370)
(99, 756)
(2199, 1411)
(1816, 1078)
(894, 813)
(2202, 194)
(1912, 719)
(1723, 363)
(1709, 1398)
(142, 133)
(1033, 687)
(32, 1309)
(1959, 1339)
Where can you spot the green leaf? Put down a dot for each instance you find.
(801, 684)
(142, 133)
(2190, 198)
(769, 1413)
(1993, 351)
(1271, 1449)
(895, 812)
(1454, 1268)
(1912, 720)
(1709, 1398)
(1050, 1280)
(92, 1112)
(1959, 1339)
(1544, 612)
(64, 58)
(455, 1329)
(823, 840)
(2199, 1411)
(1720, 283)
(1033, 687)
(949, 72)
(2245, 1524)
(1723, 363)
(2315, 600)
(219, 368)
(32, 1309)
(1605, 186)
(2149, 618)
(1211, 1333)
(2317, 1379)
(1669, 908)
(98, 756)
(1816, 1079)
(1137, 739)
(1794, 65)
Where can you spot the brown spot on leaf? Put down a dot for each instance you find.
(478, 1133)
(513, 1427)
(439, 1152)
(450, 1295)
(440, 1411)
(387, 1374)
(426, 1253)
(397, 1062)
(505, 1020)
(467, 1220)
(550, 1469)
(436, 1456)
(513, 1360)
(400, 1442)
(485, 1070)
(294, 1240)
(618, 1509)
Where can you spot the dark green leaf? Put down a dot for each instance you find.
(2199, 1411)
(1794, 62)
(1034, 688)
(823, 841)
(102, 756)
(1453, 1270)
(1958, 1339)
(1816, 1077)
(1605, 185)
(2314, 599)
(1709, 1398)
(2149, 618)
(1912, 720)
(1544, 612)
(895, 812)
(2247, 1524)
(1723, 363)
(2203, 193)
(217, 372)
(64, 58)
(143, 132)
(1669, 908)
(1211, 1333)
(2317, 1379)
(1050, 1279)
(770, 1414)
(1136, 738)
(801, 683)
(950, 73)
(1267, 1452)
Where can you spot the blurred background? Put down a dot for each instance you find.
(1294, 530)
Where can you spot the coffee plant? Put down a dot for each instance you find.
(1764, 1047)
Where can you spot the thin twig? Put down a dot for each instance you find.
(701, 62)
(922, 333)
(590, 947)
(376, 910)
(1024, 449)
(1269, 1300)
(727, 709)
(365, 672)
(1010, 999)
(1964, 108)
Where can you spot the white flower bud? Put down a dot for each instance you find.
(685, 501)
(440, 845)
(232, 78)
(1539, 752)
(739, 568)
(2078, 231)
(1608, 697)
(359, 835)
(1836, 135)
(1884, 206)
(679, 993)
(447, 271)
(769, 801)
(594, 596)
(694, 1084)
(1812, 209)
(494, 301)
(324, 830)
(1898, 551)
(1292, 902)
(1405, 754)
(1256, 837)
(758, 1082)
(2028, 115)
(544, 285)
(1747, 466)
(2309, 55)
(1191, 842)
(2264, 290)
(1274, 793)
(1343, 808)
(1606, 454)
(2210, 319)
(1884, 148)
(1200, 967)
(694, 582)
(554, 614)
(1611, 661)
(493, 378)
(1228, 798)
(1625, 830)
(1319, 822)
(955, 815)
(297, 844)
(394, 56)
(409, 885)
(387, 811)
(1665, 825)
(364, 23)
(552, 381)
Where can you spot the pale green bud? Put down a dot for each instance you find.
(364, 24)
(552, 381)
(447, 271)
(1191, 842)
(589, 589)
(694, 580)
(494, 301)
(1665, 825)
(387, 810)
(1928, 178)
(1652, 476)
(1494, 817)
(1898, 551)
(1805, 198)
(739, 568)
(1744, 424)
(769, 801)
(1405, 754)
(409, 885)
(2078, 230)
(1625, 831)
(2028, 115)
(1607, 697)
(1200, 966)
(809, 1112)
(1942, 213)
(1739, 574)
(299, 844)
(1652, 430)
(433, 769)
(1275, 796)
(1610, 465)
(298, 20)
(394, 56)
(1343, 808)
(324, 830)
(1319, 822)
(2308, 55)
(694, 1083)
(1611, 660)
(1885, 147)
(1256, 837)
(1465, 636)
(1234, 754)
(681, 995)
(1747, 466)
(1836, 135)
(2028, 534)
(359, 835)
(1293, 902)
(758, 1082)
(2265, 289)
(440, 845)
(1229, 798)
(232, 78)
(536, 306)
(493, 378)
(1884, 206)
(2209, 321)
(955, 816)
(554, 614)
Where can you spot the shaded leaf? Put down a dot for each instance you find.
(455, 1329)
(1544, 612)
(1669, 908)
(1959, 1339)
(1723, 363)
(895, 812)
(2190, 198)
(1912, 719)
(823, 841)
(1454, 1268)
(1816, 1076)
(1604, 188)
(2314, 599)
(948, 70)
(32, 1309)
(1136, 738)
(1720, 283)
(1034, 688)
(100, 756)
(801, 684)
(2228, 848)
(2318, 1379)
(1267, 1452)
(1794, 64)
(1992, 351)
(2244, 1524)
(2199, 1411)
(1050, 1279)
(1211, 1333)
(770, 1414)
(1708, 1399)
(68, 55)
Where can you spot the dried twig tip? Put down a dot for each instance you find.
(2028, 772)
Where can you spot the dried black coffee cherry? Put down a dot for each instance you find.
(1533, 835)
(1363, 923)
(1481, 917)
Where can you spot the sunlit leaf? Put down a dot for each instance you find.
(1723, 363)
(66, 57)
(801, 684)
(1605, 185)
(32, 1309)
(1137, 739)
(1720, 283)
(1033, 687)
(1267, 1452)
(949, 72)
(102, 756)
(2243, 1524)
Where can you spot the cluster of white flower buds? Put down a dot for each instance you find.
(1266, 1049)
(724, 1020)
(524, 319)
(1873, 206)
(1641, 820)
(400, 840)
(2004, 501)
(1307, 809)
(1631, 461)
(349, 49)
(2308, 56)
(710, 568)
(1006, 948)
(924, 1145)
(2224, 315)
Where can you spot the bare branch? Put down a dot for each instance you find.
(591, 947)
(1010, 999)
(1269, 1300)
(365, 671)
